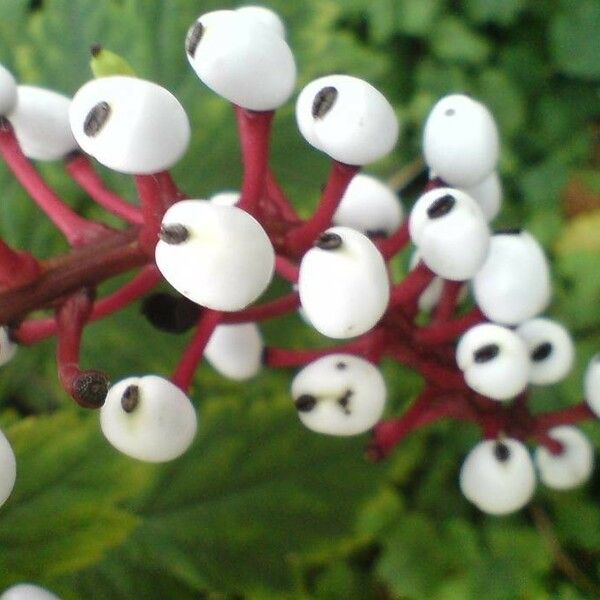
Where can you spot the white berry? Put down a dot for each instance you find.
(488, 194)
(494, 361)
(27, 591)
(498, 476)
(8, 91)
(265, 16)
(7, 347)
(148, 418)
(551, 350)
(460, 141)
(8, 469)
(513, 284)
(347, 118)
(339, 394)
(217, 256)
(129, 125)
(591, 384)
(242, 58)
(41, 122)
(369, 206)
(451, 233)
(225, 198)
(343, 283)
(235, 351)
(572, 466)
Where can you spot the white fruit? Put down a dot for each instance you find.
(347, 118)
(225, 198)
(129, 125)
(8, 469)
(572, 466)
(369, 206)
(591, 384)
(339, 394)
(41, 122)
(494, 361)
(460, 141)
(488, 194)
(217, 256)
(7, 347)
(513, 284)
(343, 283)
(148, 418)
(8, 91)
(27, 591)
(498, 476)
(450, 232)
(242, 58)
(551, 350)
(235, 351)
(265, 16)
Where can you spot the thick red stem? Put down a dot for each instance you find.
(412, 286)
(191, 357)
(278, 197)
(564, 416)
(441, 333)
(77, 230)
(82, 172)
(448, 301)
(286, 268)
(395, 243)
(17, 268)
(262, 312)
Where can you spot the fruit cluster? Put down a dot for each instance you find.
(221, 254)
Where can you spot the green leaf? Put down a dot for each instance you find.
(254, 494)
(105, 63)
(453, 41)
(574, 38)
(491, 11)
(416, 17)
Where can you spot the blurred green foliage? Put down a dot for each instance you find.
(259, 508)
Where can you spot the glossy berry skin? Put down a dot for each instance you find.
(235, 351)
(488, 194)
(498, 476)
(343, 283)
(513, 284)
(148, 418)
(347, 118)
(41, 122)
(460, 141)
(27, 591)
(339, 394)
(8, 468)
(369, 206)
(494, 361)
(129, 125)
(243, 58)
(8, 91)
(591, 384)
(551, 350)
(451, 234)
(572, 466)
(224, 259)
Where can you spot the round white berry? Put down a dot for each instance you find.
(235, 351)
(451, 233)
(7, 347)
(591, 384)
(8, 91)
(225, 198)
(488, 194)
(41, 122)
(347, 118)
(27, 591)
(217, 256)
(129, 125)
(148, 418)
(460, 141)
(343, 283)
(8, 469)
(572, 466)
(339, 394)
(494, 361)
(498, 476)
(369, 206)
(265, 16)
(513, 284)
(551, 350)
(243, 58)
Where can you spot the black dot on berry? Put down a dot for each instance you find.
(449, 112)
(174, 234)
(501, 451)
(305, 403)
(96, 119)
(442, 206)
(324, 101)
(193, 37)
(541, 352)
(341, 366)
(329, 241)
(130, 398)
(486, 353)
(509, 231)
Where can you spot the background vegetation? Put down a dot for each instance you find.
(260, 508)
